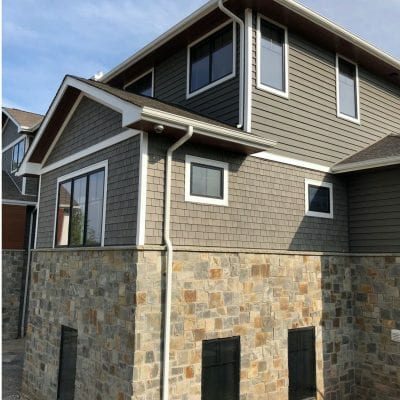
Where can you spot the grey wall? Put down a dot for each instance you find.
(306, 125)
(6, 163)
(374, 211)
(266, 206)
(10, 133)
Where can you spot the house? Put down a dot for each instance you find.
(219, 217)
(19, 196)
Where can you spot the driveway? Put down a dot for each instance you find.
(13, 357)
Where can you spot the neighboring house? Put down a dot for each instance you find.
(19, 197)
(219, 217)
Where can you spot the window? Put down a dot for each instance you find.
(220, 374)
(272, 57)
(347, 90)
(319, 199)
(302, 370)
(206, 181)
(211, 60)
(80, 210)
(18, 153)
(143, 85)
(67, 368)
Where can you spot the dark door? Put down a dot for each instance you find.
(302, 377)
(220, 376)
(67, 369)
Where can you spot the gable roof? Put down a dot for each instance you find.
(25, 120)
(384, 152)
(10, 192)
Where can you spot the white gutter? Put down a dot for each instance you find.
(168, 275)
(361, 165)
(234, 17)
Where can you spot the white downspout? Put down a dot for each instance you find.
(168, 274)
(231, 15)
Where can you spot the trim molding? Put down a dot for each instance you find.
(317, 214)
(37, 212)
(248, 98)
(362, 165)
(18, 202)
(142, 192)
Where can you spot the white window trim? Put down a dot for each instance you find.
(261, 86)
(93, 167)
(339, 114)
(308, 213)
(219, 81)
(150, 71)
(212, 163)
(25, 140)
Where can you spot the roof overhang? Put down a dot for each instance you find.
(21, 128)
(364, 165)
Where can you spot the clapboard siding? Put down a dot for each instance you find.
(374, 211)
(306, 125)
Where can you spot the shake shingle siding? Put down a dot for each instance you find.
(266, 206)
(122, 192)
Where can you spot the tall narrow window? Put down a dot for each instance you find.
(272, 57)
(80, 210)
(67, 366)
(143, 85)
(220, 375)
(302, 371)
(18, 153)
(347, 87)
(211, 60)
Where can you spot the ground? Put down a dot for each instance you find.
(13, 357)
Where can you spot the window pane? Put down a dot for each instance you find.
(14, 162)
(142, 86)
(199, 66)
(222, 55)
(21, 152)
(78, 212)
(319, 199)
(63, 214)
(95, 209)
(272, 56)
(347, 88)
(206, 181)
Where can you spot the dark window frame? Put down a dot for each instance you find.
(72, 180)
(197, 164)
(211, 39)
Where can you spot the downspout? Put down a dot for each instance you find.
(168, 274)
(231, 15)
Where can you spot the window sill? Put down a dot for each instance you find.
(350, 119)
(276, 92)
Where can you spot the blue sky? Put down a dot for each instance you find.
(45, 39)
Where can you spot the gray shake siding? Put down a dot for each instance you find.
(10, 133)
(266, 206)
(374, 208)
(306, 125)
(122, 185)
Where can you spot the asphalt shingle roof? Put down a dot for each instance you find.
(24, 118)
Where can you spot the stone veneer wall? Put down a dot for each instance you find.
(114, 298)
(13, 264)
(376, 285)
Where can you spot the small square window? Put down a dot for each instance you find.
(318, 199)
(206, 181)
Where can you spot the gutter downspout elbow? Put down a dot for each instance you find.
(235, 18)
(169, 250)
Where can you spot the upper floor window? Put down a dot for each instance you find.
(211, 60)
(80, 210)
(318, 199)
(272, 57)
(143, 85)
(347, 89)
(18, 153)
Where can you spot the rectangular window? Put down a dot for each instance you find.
(67, 366)
(18, 153)
(302, 368)
(347, 89)
(272, 57)
(220, 374)
(143, 85)
(80, 210)
(206, 181)
(211, 60)
(319, 199)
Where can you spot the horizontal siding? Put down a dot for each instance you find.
(10, 133)
(306, 125)
(266, 206)
(374, 211)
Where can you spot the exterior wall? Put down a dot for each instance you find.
(377, 311)
(266, 205)
(32, 185)
(14, 226)
(306, 125)
(122, 191)
(6, 163)
(10, 133)
(13, 262)
(374, 211)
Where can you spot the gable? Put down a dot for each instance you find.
(10, 133)
(89, 123)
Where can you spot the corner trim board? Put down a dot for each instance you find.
(142, 192)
